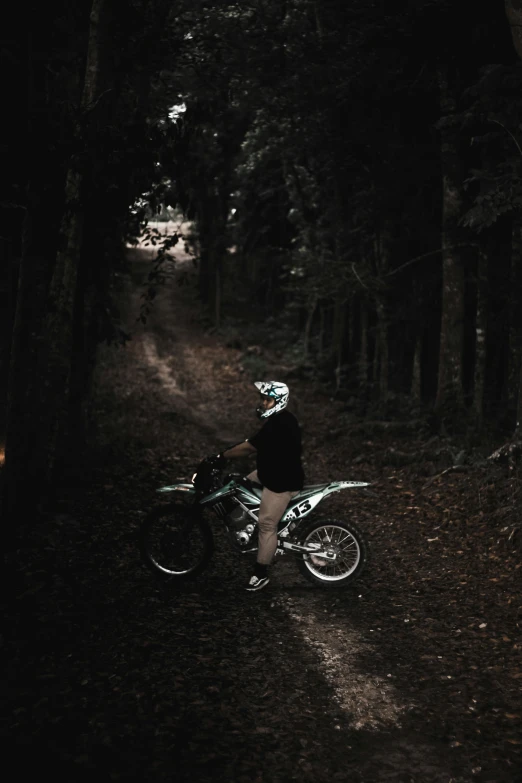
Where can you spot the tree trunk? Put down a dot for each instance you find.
(7, 309)
(515, 320)
(217, 294)
(322, 319)
(318, 22)
(363, 359)
(481, 319)
(514, 17)
(450, 396)
(382, 251)
(57, 355)
(416, 375)
(337, 343)
(354, 337)
(383, 361)
(21, 468)
(312, 307)
(84, 352)
(59, 327)
(518, 425)
(39, 377)
(212, 227)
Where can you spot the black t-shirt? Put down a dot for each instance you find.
(278, 445)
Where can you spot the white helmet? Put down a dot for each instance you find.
(277, 391)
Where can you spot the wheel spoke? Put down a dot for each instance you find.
(346, 546)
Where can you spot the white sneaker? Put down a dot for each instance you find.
(256, 583)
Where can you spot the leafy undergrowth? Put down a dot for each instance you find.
(411, 674)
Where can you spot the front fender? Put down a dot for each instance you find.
(188, 489)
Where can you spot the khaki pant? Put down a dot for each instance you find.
(272, 508)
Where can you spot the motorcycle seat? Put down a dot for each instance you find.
(311, 489)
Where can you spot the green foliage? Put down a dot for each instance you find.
(500, 193)
(311, 133)
(162, 267)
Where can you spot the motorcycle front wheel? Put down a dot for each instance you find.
(345, 541)
(176, 543)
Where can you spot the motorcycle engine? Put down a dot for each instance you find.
(237, 518)
(241, 525)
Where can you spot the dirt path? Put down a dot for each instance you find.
(201, 382)
(393, 679)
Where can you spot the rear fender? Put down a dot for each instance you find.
(301, 508)
(337, 486)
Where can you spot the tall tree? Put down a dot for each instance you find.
(87, 132)
(59, 322)
(514, 17)
(29, 422)
(450, 393)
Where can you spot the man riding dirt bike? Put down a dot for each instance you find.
(279, 470)
(263, 512)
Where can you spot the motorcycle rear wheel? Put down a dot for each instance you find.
(343, 538)
(176, 543)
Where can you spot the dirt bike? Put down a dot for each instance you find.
(177, 542)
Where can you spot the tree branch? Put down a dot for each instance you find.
(358, 278)
(507, 131)
(427, 255)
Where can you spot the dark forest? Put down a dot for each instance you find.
(198, 195)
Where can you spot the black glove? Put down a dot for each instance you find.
(215, 460)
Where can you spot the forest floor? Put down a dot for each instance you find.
(411, 675)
